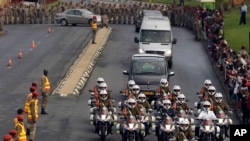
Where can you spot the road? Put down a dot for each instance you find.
(68, 118)
(55, 51)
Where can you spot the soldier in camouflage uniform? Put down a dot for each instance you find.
(21, 13)
(129, 14)
(46, 15)
(34, 16)
(119, 14)
(15, 14)
(52, 14)
(124, 14)
(40, 15)
(5, 13)
(108, 11)
(30, 14)
(1, 18)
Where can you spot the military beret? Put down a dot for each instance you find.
(7, 137)
(20, 117)
(12, 132)
(35, 93)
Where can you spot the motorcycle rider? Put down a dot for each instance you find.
(159, 102)
(167, 110)
(104, 102)
(130, 108)
(204, 89)
(143, 103)
(166, 121)
(210, 94)
(164, 88)
(219, 105)
(182, 105)
(103, 86)
(104, 111)
(221, 115)
(175, 93)
(135, 92)
(128, 90)
(202, 129)
(184, 131)
(130, 120)
(99, 81)
(182, 115)
(206, 111)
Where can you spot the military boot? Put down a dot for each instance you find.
(43, 112)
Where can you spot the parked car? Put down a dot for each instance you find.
(146, 13)
(76, 16)
(147, 70)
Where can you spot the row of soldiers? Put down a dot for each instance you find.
(122, 13)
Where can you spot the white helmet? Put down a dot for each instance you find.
(206, 105)
(103, 86)
(142, 97)
(164, 82)
(184, 124)
(218, 97)
(207, 83)
(136, 89)
(181, 98)
(167, 103)
(131, 83)
(103, 94)
(131, 103)
(177, 90)
(100, 80)
(211, 90)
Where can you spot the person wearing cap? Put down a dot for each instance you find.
(19, 112)
(33, 115)
(20, 128)
(7, 137)
(45, 89)
(94, 29)
(34, 84)
(13, 134)
(29, 97)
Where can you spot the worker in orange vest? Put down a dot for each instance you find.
(7, 137)
(19, 112)
(45, 89)
(33, 115)
(29, 97)
(20, 128)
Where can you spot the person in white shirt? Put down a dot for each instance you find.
(243, 10)
(206, 112)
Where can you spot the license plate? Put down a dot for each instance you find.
(148, 93)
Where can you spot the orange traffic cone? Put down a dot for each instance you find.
(49, 30)
(20, 54)
(33, 45)
(9, 62)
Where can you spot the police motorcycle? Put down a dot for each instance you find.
(157, 104)
(130, 129)
(223, 123)
(164, 129)
(103, 118)
(147, 119)
(181, 116)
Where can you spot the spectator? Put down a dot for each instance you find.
(243, 11)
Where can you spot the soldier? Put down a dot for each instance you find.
(129, 14)
(45, 89)
(119, 15)
(123, 10)
(52, 13)
(15, 14)
(34, 17)
(40, 15)
(5, 19)
(220, 105)
(108, 11)
(26, 14)
(21, 14)
(105, 21)
(46, 15)
(30, 14)
(11, 14)
(184, 131)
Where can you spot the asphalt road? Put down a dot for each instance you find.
(68, 118)
(55, 51)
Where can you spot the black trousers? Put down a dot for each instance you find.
(243, 18)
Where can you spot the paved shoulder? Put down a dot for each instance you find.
(78, 74)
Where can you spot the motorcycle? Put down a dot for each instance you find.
(92, 100)
(208, 132)
(147, 120)
(166, 132)
(223, 123)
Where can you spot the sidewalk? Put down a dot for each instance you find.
(79, 72)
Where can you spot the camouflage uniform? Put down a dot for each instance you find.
(22, 12)
(46, 15)
(217, 107)
(30, 14)
(129, 14)
(1, 19)
(6, 15)
(15, 14)
(119, 15)
(26, 14)
(52, 12)
(34, 16)
(40, 15)
(184, 134)
(123, 14)
(105, 21)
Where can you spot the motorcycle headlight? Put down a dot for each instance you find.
(141, 51)
(168, 53)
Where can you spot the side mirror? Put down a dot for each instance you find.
(171, 73)
(125, 72)
(90, 90)
(174, 41)
(136, 40)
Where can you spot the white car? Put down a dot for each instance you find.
(76, 16)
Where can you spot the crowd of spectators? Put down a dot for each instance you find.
(233, 65)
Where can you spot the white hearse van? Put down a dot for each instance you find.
(155, 37)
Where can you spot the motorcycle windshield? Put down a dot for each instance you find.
(167, 127)
(103, 117)
(131, 125)
(207, 127)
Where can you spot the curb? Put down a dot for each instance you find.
(86, 73)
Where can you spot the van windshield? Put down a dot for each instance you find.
(155, 36)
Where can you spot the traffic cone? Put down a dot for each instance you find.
(33, 45)
(20, 54)
(49, 30)
(9, 62)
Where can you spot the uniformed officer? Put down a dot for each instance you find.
(94, 29)
(184, 131)
(1, 19)
(45, 89)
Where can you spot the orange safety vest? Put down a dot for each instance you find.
(22, 134)
(36, 110)
(94, 26)
(27, 103)
(15, 120)
(47, 84)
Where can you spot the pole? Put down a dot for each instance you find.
(248, 42)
